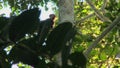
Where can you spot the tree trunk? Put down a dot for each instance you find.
(66, 11)
(66, 14)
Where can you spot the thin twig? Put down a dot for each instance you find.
(107, 30)
(90, 15)
(98, 14)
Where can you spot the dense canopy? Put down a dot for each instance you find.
(93, 40)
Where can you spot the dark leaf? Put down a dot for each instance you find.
(31, 43)
(67, 43)
(3, 22)
(3, 54)
(24, 54)
(78, 59)
(44, 29)
(53, 65)
(3, 60)
(56, 38)
(26, 23)
(2, 45)
(4, 25)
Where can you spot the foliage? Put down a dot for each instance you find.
(18, 5)
(25, 46)
(104, 54)
(16, 32)
(88, 29)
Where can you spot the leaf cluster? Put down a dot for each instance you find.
(91, 27)
(21, 40)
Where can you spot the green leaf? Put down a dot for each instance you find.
(109, 15)
(103, 56)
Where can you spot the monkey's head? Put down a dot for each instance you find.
(52, 16)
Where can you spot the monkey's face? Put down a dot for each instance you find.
(52, 16)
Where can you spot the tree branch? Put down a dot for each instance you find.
(104, 5)
(90, 15)
(107, 30)
(98, 14)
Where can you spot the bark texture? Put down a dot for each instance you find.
(66, 11)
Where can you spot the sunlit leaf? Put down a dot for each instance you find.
(103, 56)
